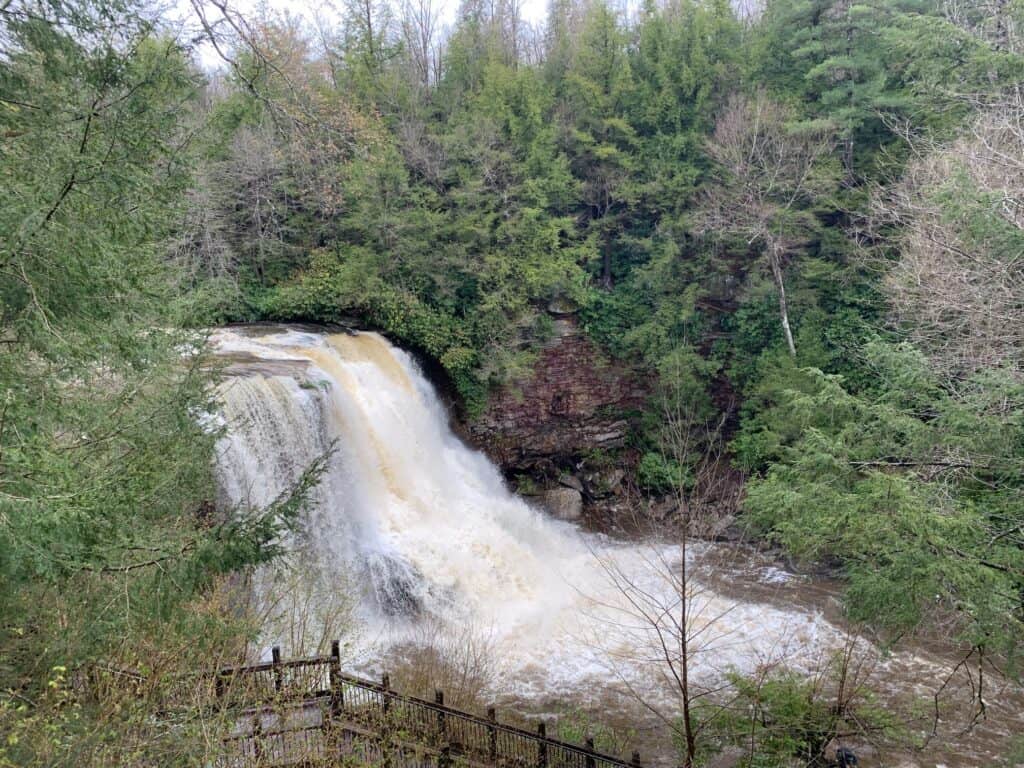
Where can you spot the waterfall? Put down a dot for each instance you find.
(425, 526)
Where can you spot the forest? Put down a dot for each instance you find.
(800, 222)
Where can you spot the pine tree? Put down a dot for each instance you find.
(598, 138)
(831, 52)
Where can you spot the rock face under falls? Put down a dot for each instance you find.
(575, 402)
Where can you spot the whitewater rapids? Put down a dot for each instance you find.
(424, 526)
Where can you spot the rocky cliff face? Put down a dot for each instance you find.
(576, 405)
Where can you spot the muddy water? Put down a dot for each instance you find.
(907, 682)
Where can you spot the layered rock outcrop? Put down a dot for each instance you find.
(577, 403)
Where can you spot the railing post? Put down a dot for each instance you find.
(387, 733)
(439, 700)
(542, 745)
(589, 761)
(635, 762)
(275, 656)
(492, 734)
(334, 680)
(387, 737)
(444, 757)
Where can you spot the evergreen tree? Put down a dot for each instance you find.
(830, 52)
(598, 138)
(106, 528)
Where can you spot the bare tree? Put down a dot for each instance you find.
(668, 621)
(510, 27)
(370, 32)
(992, 20)
(300, 608)
(532, 47)
(291, 157)
(676, 624)
(458, 660)
(958, 284)
(253, 174)
(201, 248)
(420, 22)
(767, 170)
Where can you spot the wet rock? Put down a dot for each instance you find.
(571, 481)
(563, 503)
(576, 401)
(662, 509)
(724, 528)
(604, 483)
(613, 479)
(395, 584)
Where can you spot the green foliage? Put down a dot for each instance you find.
(939, 60)
(456, 204)
(108, 540)
(657, 473)
(587, 181)
(1016, 753)
(914, 488)
(782, 718)
(829, 53)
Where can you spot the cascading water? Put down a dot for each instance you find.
(427, 526)
(422, 528)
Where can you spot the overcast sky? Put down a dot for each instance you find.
(533, 11)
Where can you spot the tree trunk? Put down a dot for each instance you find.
(606, 265)
(1004, 41)
(684, 653)
(775, 257)
(848, 176)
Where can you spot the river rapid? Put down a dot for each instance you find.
(410, 528)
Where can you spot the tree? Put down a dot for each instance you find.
(598, 139)
(830, 52)
(683, 62)
(675, 630)
(368, 24)
(108, 541)
(913, 487)
(280, 136)
(669, 624)
(768, 176)
(957, 286)
(420, 24)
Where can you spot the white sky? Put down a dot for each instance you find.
(533, 12)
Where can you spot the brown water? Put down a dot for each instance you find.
(919, 672)
(908, 683)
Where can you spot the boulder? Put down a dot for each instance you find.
(563, 503)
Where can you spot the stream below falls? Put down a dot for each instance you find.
(411, 535)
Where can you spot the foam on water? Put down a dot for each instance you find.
(427, 526)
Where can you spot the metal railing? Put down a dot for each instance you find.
(307, 712)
